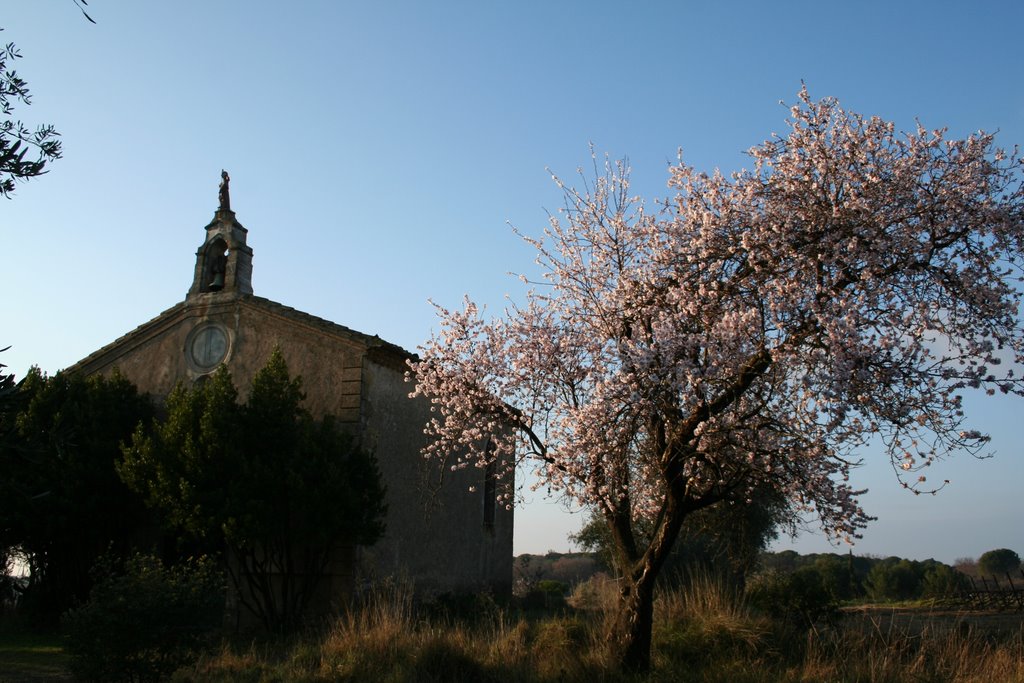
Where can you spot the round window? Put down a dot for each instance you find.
(207, 346)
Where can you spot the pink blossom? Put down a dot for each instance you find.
(753, 330)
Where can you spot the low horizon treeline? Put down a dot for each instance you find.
(845, 577)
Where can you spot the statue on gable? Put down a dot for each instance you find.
(225, 197)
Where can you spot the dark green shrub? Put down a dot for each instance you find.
(836, 576)
(143, 623)
(798, 598)
(547, 594)
(941, 580)
(889, 580)
(553, 587)
(998, 562)
(463, 607)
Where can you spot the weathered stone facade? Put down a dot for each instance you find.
(442, 538)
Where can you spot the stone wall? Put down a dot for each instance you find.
(436, 531)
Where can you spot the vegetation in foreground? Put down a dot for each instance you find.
(702, 633)
(26, 655)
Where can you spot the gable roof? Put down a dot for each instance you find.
(379, 350)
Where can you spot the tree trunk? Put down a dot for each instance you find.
(631, 634)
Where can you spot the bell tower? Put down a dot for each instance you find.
(223, 261)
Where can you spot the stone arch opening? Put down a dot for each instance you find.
(215, 266)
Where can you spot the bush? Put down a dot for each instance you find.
(998, 562)
(463, 607)
(836, 577)
(894, 580)
(144, 623)
(547, 594)
(800, 598)
(941, 580)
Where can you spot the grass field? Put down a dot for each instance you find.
(702, 634)
(27, 657)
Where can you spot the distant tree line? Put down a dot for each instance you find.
(816, 578)
(852, 577)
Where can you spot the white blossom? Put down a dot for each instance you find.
(754, 330)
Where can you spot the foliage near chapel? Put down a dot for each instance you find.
(280, 491)
(62, 504)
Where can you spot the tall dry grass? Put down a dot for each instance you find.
(935, 649)
(704, 632)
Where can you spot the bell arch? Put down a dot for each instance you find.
(215, 265)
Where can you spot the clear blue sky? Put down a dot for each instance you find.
(379, 150)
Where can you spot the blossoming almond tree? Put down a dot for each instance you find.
(753, 330)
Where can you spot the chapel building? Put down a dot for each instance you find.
(445, 533)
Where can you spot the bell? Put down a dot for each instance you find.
(218, 282)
